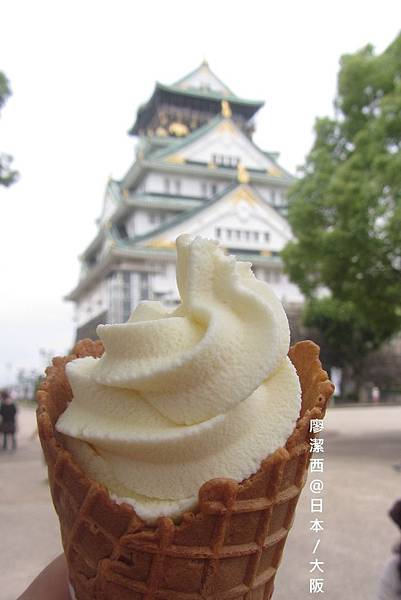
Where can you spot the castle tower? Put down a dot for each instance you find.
(197, 171)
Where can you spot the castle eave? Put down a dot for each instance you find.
(202, 100)
(86, 282)
(112, 260)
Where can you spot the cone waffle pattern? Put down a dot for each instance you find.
(230, 548)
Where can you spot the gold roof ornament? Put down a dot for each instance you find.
(273, 171)
(161, 243)
(178, 129)
(242, 173)
(226, 126)
(176, 159)
(242, 196)
(161, 132)
(125, 193)
(226, 109)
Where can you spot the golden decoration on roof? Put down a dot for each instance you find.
(242, 173)
(125, 193)
(242, 195)
(226, 126)
(274, 171)
(161, 132)
(226, 109)
(161, 243)
(178, 129)
(176, 159)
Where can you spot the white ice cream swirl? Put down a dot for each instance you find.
(182, 396)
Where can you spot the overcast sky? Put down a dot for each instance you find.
(78, 71)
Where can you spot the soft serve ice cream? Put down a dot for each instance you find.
(183, 396)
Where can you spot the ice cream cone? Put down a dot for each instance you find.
(229, 548)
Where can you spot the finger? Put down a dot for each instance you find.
(51, 583)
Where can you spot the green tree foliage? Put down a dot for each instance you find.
(345, 212)
(7, 175)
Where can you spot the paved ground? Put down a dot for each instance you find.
(362, 445)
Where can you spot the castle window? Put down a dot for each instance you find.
(214, 188)
(178, 186)
(126, 293)
(229, 234)
(204, 189)
(122, 230)
(167, 185)
(218, 232)
(144, 287)
(256, 236)
(91, 260)
(225, 160)
(247, 235)
(267, 236)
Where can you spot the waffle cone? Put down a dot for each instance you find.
(229, 548)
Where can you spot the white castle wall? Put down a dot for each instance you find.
(238, 226)
(92, 303)
(162, 183)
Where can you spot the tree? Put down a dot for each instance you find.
(345, 212)
(7, 175)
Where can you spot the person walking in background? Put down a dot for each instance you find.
(390, 580)
(8, 412)
(375, 394)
